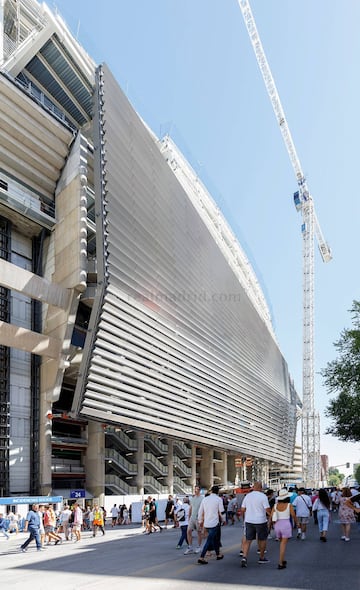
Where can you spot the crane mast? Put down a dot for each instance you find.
(310, 229)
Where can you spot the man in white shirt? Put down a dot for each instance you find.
(114, 515)
(211, 514)
(303, 508)
(255, 509)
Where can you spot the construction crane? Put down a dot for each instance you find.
(310, 229)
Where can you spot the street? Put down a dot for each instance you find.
(128, 559)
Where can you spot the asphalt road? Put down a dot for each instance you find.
(126, 558)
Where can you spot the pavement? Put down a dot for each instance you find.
(128, 559)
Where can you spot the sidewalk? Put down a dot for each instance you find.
(128, 559)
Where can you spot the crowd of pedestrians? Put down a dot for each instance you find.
(46, 527)
(263, 515)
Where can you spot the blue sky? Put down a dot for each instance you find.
(188, 67)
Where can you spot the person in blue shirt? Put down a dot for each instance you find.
(3, 526)
(32, 524)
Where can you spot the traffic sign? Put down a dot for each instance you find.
(77, 493)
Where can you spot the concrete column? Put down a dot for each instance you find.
(45, 447)
(95, 461)
(139, 455)
(206, 468)
(264, 472)
(170, 464)
(233, 471)
(223, 470)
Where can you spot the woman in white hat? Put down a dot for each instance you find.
(280, 517)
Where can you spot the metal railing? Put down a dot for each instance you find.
(124, 464)
(156, 443)
(185, 451)
(123, 439)
(152, 485)
(156, 465)
(118, 485)
(180, 487)
(185, 470)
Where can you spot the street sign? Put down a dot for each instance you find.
(77, 494)
(31, 500)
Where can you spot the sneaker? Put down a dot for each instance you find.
(22, 550)
(189, 550)
(303, 536)
(178, 547)
(243, 562)
(346, 539)
(197, 550)
(343, 538)
(263, 560)
(298, 536)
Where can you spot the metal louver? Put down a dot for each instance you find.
(175, 345)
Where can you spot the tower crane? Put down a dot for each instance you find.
(310, 229)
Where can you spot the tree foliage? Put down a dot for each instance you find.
(357, 474)
(342, 377)
(335, 478)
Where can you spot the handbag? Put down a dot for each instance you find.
(274, 516)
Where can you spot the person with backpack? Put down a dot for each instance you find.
(183, 520)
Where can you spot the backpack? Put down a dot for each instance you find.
(180, 515)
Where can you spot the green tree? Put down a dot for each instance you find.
(342, 377)
(335, 478)
(357, 474)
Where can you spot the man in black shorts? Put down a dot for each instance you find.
(255, 509)
(153, 519)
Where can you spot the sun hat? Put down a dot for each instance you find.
(283, 494)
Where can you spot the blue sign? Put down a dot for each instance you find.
(77, 493)
(31, 500)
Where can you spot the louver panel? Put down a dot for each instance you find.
(176, 346)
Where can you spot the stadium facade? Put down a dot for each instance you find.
(137, 353)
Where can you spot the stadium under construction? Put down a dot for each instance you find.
(137, 353)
